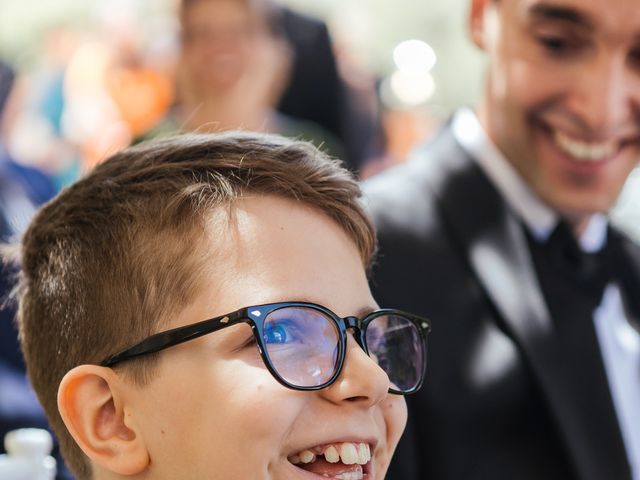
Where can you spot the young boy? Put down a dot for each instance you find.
(176, 315)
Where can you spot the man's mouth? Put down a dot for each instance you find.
(584, 151)
(339, 461)
(587, 152)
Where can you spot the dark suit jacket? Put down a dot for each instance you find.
(500, 399)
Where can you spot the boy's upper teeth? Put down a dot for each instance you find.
(584, 151)
(307, 456)
(347, 452)
(332, 455)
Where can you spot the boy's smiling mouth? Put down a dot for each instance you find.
(340, 461)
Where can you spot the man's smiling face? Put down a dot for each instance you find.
(563, 94)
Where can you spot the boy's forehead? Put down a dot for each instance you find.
(255, 222)
(267, 248)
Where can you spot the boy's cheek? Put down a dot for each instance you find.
(394, 412)
(396, 415)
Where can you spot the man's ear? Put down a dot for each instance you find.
(477, 21)
(92, 406)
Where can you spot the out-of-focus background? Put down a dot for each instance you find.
(365, 30)
(81, 79)
(416, 55)
(94, 76)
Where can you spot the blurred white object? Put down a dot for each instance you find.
(411, 85)
(414, 56)
(28, 456)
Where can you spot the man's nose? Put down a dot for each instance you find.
(606, 96)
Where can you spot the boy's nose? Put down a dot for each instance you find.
(361, 379)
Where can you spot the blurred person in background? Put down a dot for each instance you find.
(22, 189)
(33, 183)
(254, 65)
(497, 229)
(34, 121)
(116, 87)
(233, 67)
(327, 87)
(92, 89)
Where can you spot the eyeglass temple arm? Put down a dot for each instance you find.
(176, 336)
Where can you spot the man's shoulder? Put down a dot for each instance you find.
(403, 194)
(399, 197)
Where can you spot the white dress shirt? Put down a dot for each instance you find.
(619, 341)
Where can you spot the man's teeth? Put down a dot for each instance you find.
(583, 151)
(348, 453)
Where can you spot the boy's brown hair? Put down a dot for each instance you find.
(115, 255)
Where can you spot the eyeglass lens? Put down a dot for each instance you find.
(303, 344)
(395, 344)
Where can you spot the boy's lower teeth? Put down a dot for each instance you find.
(334, 470)
(358, 475)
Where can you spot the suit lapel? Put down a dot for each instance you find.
(490, 237)
(493, 241)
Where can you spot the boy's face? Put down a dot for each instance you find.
(213, 410)
(563, 95)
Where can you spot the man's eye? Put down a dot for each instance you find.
(563, 46)
(554, 44)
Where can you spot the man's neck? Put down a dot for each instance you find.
(539, 217)
(578, 221)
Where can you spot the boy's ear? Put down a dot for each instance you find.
(477, 21)
(92, 407)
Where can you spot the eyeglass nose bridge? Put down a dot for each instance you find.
(354, 324)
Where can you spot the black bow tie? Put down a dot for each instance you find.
(590, 271)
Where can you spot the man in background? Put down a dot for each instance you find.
(497, 230)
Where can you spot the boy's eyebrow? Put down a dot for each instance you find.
(364, 311)
(361, 312)
(549, 11)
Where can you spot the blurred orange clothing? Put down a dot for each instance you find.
(142, 96)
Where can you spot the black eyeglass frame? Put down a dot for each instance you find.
(255, 315)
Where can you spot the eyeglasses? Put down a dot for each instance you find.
(303, 345)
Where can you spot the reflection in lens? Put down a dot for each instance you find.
(302, 344)
(394, 342)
